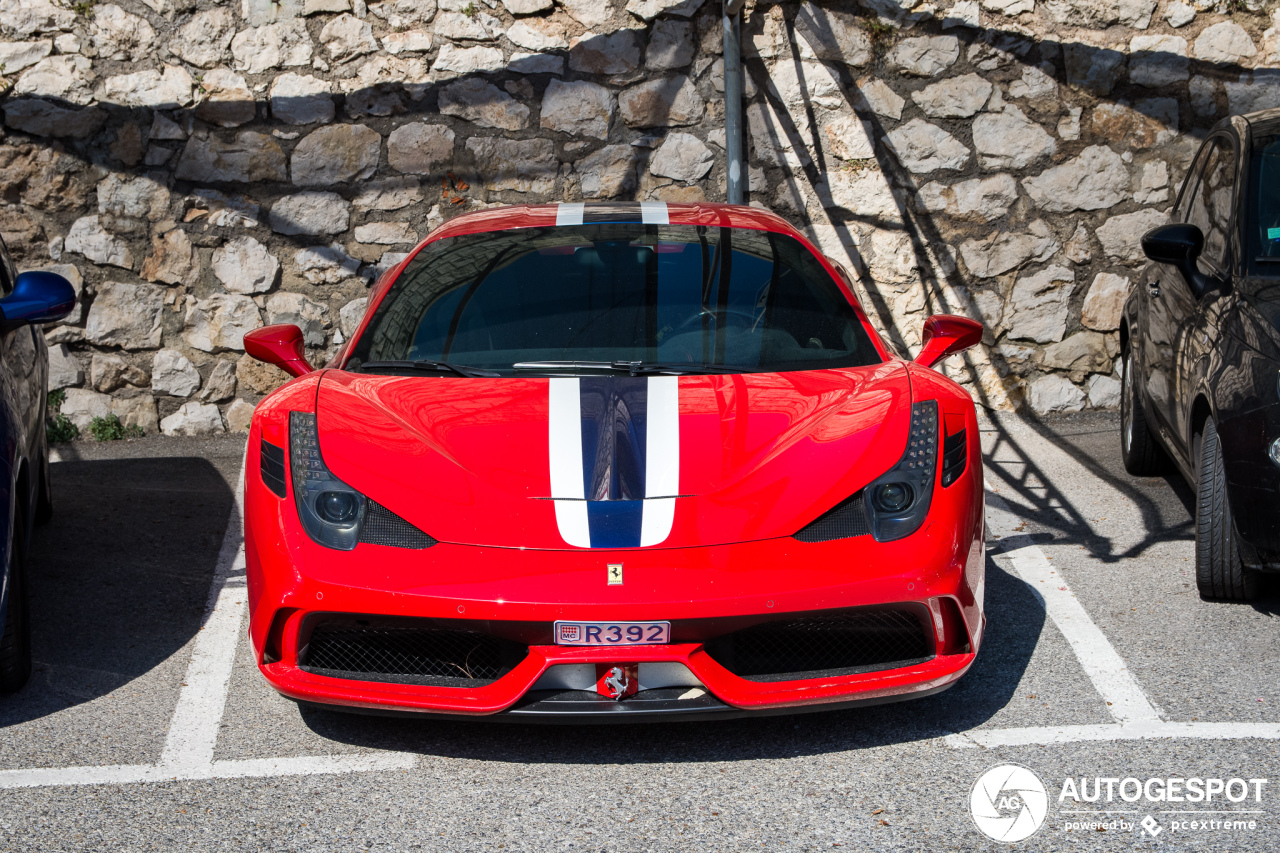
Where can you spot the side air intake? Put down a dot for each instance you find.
(955, 455)
(273, 467)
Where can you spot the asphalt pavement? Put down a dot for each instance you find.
(146, 726)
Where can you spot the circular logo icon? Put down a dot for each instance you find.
(1008, 803)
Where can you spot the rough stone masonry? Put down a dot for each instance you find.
(199, 169)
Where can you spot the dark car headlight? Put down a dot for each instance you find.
(898, 500)
(331, 511)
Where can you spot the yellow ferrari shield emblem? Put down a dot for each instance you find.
(615, 574)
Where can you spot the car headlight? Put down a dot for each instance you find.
(331, 511)
(898, 501)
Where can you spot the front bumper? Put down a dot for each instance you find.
(705, 592)
(514, 693)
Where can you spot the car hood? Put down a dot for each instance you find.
(693, 460)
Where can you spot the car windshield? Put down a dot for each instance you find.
(676, 298)
(1263, 231)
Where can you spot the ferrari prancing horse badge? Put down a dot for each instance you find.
(615, 574)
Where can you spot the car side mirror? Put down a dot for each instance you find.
(281, 345)
(946, 334)
(1178, 245)
(38, 297)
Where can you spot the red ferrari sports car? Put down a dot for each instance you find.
(614, 462)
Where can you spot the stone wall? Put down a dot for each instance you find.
(201, 169)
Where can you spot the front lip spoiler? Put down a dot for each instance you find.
(540, 710)
(508, 692)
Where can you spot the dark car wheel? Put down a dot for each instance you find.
(15, 642)
(1220, 574)
(1142, 456)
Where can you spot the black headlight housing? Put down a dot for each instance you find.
(898, 501)
(332, 512)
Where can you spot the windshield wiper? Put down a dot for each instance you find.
(428, 367)
(632, 368)
(639, 368)
(1263, 259)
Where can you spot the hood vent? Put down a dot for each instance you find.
(384, 527)
(843, 521)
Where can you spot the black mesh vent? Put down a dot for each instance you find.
(955, 455)
(824, 646)
(384, 527)
(846, 519)
(409, 655)
(273, 467)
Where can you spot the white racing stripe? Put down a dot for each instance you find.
(570, 214)
(1101, 662)
(662, 459)
(654, 213)
(564, 423)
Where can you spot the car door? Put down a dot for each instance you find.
(1165, 296)
(1173, 310)
(1211, 210)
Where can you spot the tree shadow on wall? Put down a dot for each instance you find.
(1096, 76)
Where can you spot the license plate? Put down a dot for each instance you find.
(612, 633)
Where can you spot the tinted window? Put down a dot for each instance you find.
(1210, 208)
(1179, 213)
(1262, 230)
(618, 292)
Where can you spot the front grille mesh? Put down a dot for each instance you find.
(843, 521)
(409, 655)
(823, 646)
(384, 527)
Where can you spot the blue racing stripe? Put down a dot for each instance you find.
(615, 524)
(614, 415)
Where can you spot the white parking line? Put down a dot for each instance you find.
(193, 730)
(1136, 717)
(1143, 730)
(124, 774)
(192, 737)
(1101, 662)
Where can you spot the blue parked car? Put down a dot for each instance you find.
(26, 301)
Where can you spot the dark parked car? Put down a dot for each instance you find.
(26, 301)
(1200, 339)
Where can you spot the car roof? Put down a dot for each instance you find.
(1262, 121)
(576, 213)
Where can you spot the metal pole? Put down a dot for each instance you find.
(737, 169)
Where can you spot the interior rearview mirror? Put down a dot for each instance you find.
(946, 334)
(281, 345)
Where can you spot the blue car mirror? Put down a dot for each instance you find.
(38, 297)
